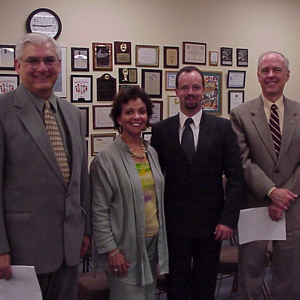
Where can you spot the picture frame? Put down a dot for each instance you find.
(128, 75)
(236, 79)
(146, 56)
(7, 57)
(235, 98)
(84, 110)
(242, 57)
(102, 56)
(127, 86)
(194, 53)
(146, 135)
(122, 53)
(157, 107)
(213, 58)
(170, 80)
(100, 141)
(226, 56)
(8, 82)
(81, 88)
(212, 101)
(101, 117)
(80, 58)
(171, 57)
(152, 82)
(173, 105)
(60, 86)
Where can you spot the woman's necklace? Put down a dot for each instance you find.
(136, 155)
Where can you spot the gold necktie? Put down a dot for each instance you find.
(56, 141)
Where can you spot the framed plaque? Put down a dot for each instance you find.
(101, 117)
(213, 58)
(194, 53)
(102, 56)
(7, 57)
(85, 118)
(127, 75)
(170, 80)
(236, 79)
(226, 56)
(122, 53)
(147, 56)
(60, 86)
(81, 88)
(235, 98)
(106, 87)
(171, 57)
(242, 57)
(174, 105)
(152, 82)
(157, 112)
(8, 82)
(80, 59)
(100, 141)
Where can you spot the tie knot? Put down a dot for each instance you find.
(47, 104)
(188, 121)
(274, 107)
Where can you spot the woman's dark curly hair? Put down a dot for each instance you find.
(123, 97)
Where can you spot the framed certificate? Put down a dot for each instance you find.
(174, 105)
(81, 88)
(101, 117)
(171, 57)
(80, 59)
(147, 56)
(7, 57)
(213, 58)
(152, 82)
(194, 53)
(157, 112)
(170, 80)
(236, 79)
(235, 98)
(100, 141)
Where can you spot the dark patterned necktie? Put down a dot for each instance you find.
(56, 141)
(187, 141)
(275, 128)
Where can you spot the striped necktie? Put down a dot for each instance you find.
(56, 141)
(275, 128)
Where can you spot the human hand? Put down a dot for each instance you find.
(223, 232)
(85, 245)
(118, 264)
(275, 213)
(282, 198)
(5, 268)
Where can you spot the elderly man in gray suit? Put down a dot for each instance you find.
(44, 183)
(268, 131)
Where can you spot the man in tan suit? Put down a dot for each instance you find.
(272, 175)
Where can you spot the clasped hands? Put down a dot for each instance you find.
(281, 200)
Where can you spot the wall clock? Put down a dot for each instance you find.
(44, 20)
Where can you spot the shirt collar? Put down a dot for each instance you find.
(268, 103)
(196, 118)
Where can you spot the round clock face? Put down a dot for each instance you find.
(44, 20)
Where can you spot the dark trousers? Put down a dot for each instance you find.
(193, 268)
(61, 284)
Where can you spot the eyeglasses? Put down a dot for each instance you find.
(195, 88)
(34, 62)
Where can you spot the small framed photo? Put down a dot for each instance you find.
(102, 56)
(7, 57)
(8, 82)
(242, 57)
(122, 53)
(226, 56)
(170, 80)
(146, 135)
(81, 88)
(100, 141)
(194, 53)
(171, 57)
(152, 82)
(213, 58)
(101, 117)
(174, 105)
(235, 98)
(80, 59)
(236, 79)
(60, 86)
(85, 118)
(127, 75)
(147, 56)
(157, 112)
(212, 102)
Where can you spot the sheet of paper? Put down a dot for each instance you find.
(255, 224)
(22, 285)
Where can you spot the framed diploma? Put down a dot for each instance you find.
(81, 88)
(101, 117)
(8, 82)
(171, 57)
(152, 82)
(170, 80)
(85, 118)
(146, 135)
(157, 112)
(102, 56)
(226, 56)
(122, 53)
(236, 79)
(174, 105)
(80, 59)
(147, 56)
(213, 58)
(235, 98)
(242, 57)
(100, 141)
(194, 53)
(7, 57)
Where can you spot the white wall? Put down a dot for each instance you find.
(258, 25)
